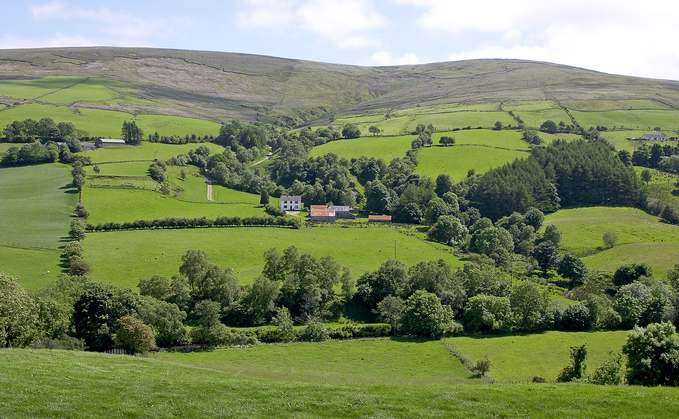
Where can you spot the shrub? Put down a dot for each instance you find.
(610, 238)
(134, 336)
(576, 317)
(274, 210)
(653, 355)
(628, 273)
(425, 316)
(610, 372)
(314, 332)
(578, 367)
(487, 313)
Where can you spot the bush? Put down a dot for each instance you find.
(610, 238)
(425, 316)
(314, 332)
(610, 372)
(274, 210)
(134, 336)
(578, 367)
(576, 317)
(487, 313)
(628, 273)
(653, 355)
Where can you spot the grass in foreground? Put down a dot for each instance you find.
(74, 384)
(518, 358)
(119, 257)
(36, 203)
(360, 361)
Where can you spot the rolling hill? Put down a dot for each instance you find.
(220, 86)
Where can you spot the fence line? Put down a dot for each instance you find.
(27, 246)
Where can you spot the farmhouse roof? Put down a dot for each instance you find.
(291, 198)
(379, 218)
(661, 137)
(112, 141)
(321, 211)
(340, 208)
(88, 146)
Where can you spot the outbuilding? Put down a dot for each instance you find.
(654, 137)
(379, 218)
(342, 211)
(322, 213)
(108, 142)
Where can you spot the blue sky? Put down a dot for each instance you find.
(619, 37)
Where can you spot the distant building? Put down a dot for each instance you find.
(88, 146)
(322, 213)
(379, 218)
(291, 202)
(108, 142)
(342, 211)
(654, 137)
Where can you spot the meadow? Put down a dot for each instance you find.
(146, 151)
(641, 237)
(518, 358)
(30, 265)
(386, 148)
(122, 257)
(37, 204)
(354, 361)
(34, 88)
(41, 383)
(635, 119)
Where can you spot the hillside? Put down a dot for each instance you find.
(220, 86)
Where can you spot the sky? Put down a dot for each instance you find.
(636, 38)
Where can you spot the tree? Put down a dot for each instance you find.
(628, 273)
(646, 175)
(653, 355)
(97, 169)
(610, 238)
(134, 336)
(571, 267)
(18, 314)
(284, 323)
(444, 183)
(407, 214)
(669, 214)
(530, 307)
(498, 126)
(447, 140)
(611, 372)
(487, 313)
(132, 134)
(448, 230)
(389, 310)
(552, 234)
(578, 367)
(425, 316)
(374, 130)
(350, 131)
(534, 218)
(549, 126)
(576, 317)
(165, 319)
(390, 279)
(264, 197)
(81, 211)
(77, 231)
(435, 209)
(378, 199)
(491, 240)
(545, 254)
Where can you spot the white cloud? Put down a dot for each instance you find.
(115, 24)
(14, 41)
(345, 23)
(385, 58)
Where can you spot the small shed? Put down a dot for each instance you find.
(342, 211)
(322, 213)
(654, 137)
(88, 146)
(379, 218)
(291, 202)
(108, 142)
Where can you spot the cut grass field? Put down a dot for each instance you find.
(88, 90)
(458, 160)
(33, 88)
(119, 257)
(360, 361)
(386, 148)
(641, 237)
(146, 151)
(634, 119)
(36, 204)
(46, 383)
(519, 358)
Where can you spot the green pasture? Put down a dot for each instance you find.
(536, 118)
(504, 139)
(356, 361)
(528, 106)
(457, 160)
(131, 168)
(619, 139)
(43, 383)
(448, 121)
(146, 151)
(5, 146)
(661, 256)
(549, 138)
(583, 228)
(386, 148)
(120, 205)
(91, 90)
(634, 119)
(120, 257)
(109, 124)
(36, 203)
(29, 265)
(33, 88)
(613, 105)
(519, 358)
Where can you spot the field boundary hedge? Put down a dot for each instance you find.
(201, 222)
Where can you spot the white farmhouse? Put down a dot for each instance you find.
(291, 202)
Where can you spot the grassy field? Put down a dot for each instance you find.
(641, 238)
(108, 123)
(146, 151)
(44, 383)
(535, 118)
(663, 186)
(458, 160)
(89, 90)
(386, 148)
(31, 89)
(362, 361)
(36, 204)
(635, 119)
(519, 358)
(29, 265)
(120, 257)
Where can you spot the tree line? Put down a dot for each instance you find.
(198, 222)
